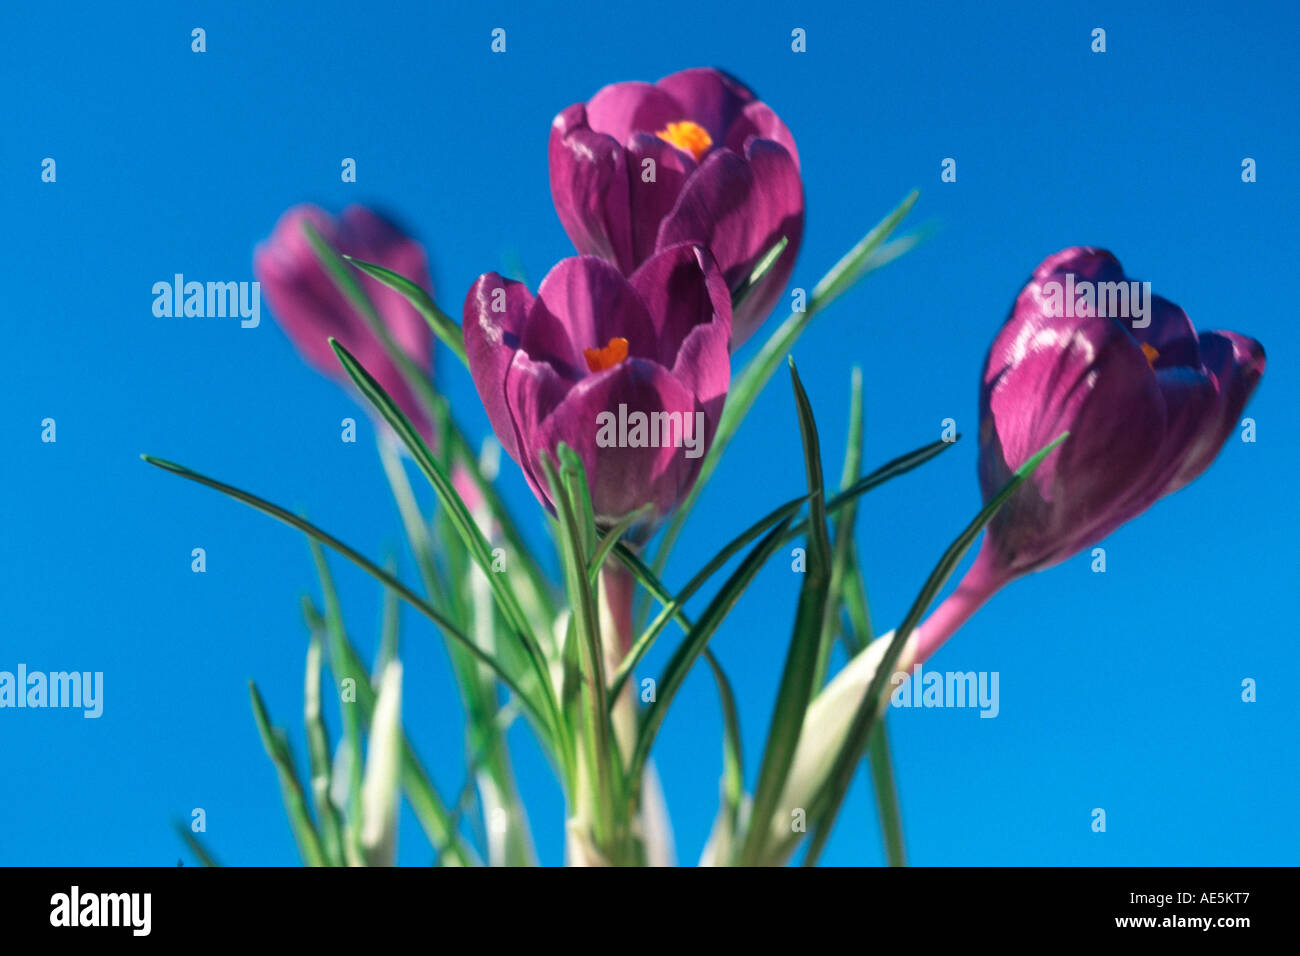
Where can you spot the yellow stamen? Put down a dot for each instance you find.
(687, 136)
(1151, 355)
(600, 359)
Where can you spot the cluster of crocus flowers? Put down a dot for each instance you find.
(695, 157)
(673, 193)
(310, 307)
(1148, 402)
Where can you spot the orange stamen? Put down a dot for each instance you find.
(600, 359)
(1151, 355)
(690, 137)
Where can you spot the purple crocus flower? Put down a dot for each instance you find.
(1147, 400)
(693, 158)
(631, 373)
(310, 309)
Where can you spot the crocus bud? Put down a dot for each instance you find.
(695, 158)
(311, 309)
(1147, 401)
(631, 373)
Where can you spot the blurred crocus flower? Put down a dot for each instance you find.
(631, 373)
(311, 309)
(693, 158)
(1147, 400)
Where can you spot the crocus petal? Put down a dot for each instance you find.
(709, 97)
(494, 315)
(532, 390)
(1236, 364)
(589, 186)
(653, 189)
(738, 208)
(681, 288)
(1191, 403)
(704, 366)
(1086, 262)
(758, 119)
(594, 303)
(1045, 384)
(1170, 333)
(622, 478)
(621, 109)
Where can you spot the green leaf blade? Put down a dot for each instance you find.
(746, 387)
(799, 674)
(447, 331)
(832, 794)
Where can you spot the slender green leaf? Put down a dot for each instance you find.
(882, 781)
(597, 737)
(573, 476)
(337, 634)
(441, 324)
(481, 760)
(295, 802)
(854, 592)
(346, 281)
(797, 679)
(429, 808)
(694, 643)
(746, 387)
(538, 586)
(406, 594)
(197, 847)
(760, 270)
(435, 405)
(417, 531)
(457, 447)
(850, 268)
(477, 688)
(462, 520)
(889, 470)
(842, 550)
(671, 607)
(831, 795)
(612, 537)
(389, 631)
(453, 443)
(733, 768)
(318, 753)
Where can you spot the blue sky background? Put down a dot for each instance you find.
(1119, 691)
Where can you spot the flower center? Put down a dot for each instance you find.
(612, 354)
(687, 136)
(1151, 355)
